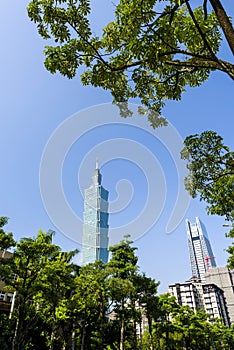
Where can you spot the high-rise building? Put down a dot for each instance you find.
(95, 226)
(223, 277)
(201, 255)
(197, 295)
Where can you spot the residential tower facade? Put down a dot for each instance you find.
(207, 297)
(223, 277)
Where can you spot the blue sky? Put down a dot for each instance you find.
(34, 103)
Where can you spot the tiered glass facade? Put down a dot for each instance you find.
(201, 255)
(95, 226)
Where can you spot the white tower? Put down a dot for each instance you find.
(201, 255)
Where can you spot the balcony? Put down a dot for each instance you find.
(5, 306)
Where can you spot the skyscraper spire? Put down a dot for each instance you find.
(97, 177)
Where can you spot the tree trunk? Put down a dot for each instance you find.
(52, 340)
(121, 345)
(134, 334)
(150, 333)
(73, 338)
(140, 326)
(167, 340)
(19, 333)
(187, 344)
(52, 334)
(83, 337)
(103, 320)
(134, 323)
(224, 22)
(15, 338)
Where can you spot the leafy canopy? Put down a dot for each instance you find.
(6, 239)
(151, 50)
(211, 172)
(98, 306)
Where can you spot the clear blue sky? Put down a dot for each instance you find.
(34, 103)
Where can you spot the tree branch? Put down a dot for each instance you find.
(73, 26)
(224, 22)
(217, 178)
(203, 36)
(229, 69)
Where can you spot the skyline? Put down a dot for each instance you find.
(34, 103)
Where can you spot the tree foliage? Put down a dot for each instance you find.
(151, 50)
(42, 278)
(6, 239)
(99, 306)
(179, 327)
(211, 172)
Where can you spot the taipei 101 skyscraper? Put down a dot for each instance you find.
(95, 226)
